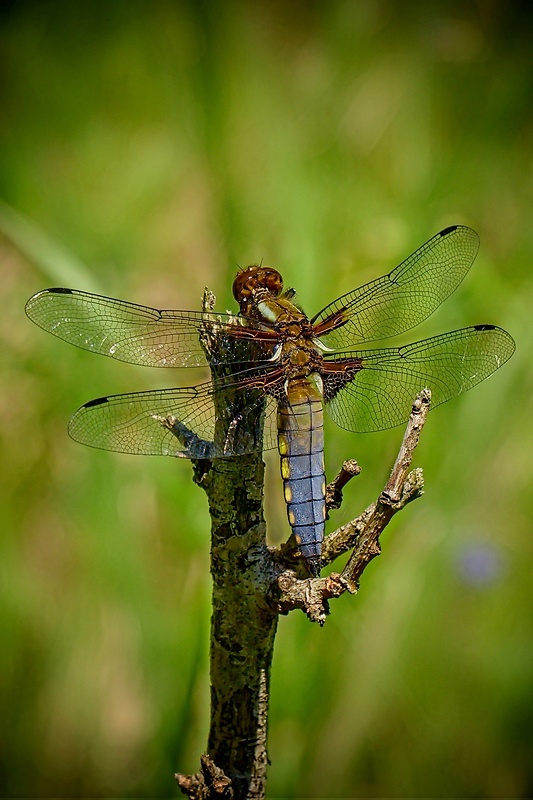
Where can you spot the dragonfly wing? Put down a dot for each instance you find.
(400, 300)
(143, 335)
(177, 422)
(370, 390)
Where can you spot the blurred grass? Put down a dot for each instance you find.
(145, 149)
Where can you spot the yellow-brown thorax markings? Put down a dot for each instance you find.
(299, 355)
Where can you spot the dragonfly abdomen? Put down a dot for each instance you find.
(301, 446)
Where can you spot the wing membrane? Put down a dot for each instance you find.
(381, 392)
(134, 423)
(140, 334)
(400, 300)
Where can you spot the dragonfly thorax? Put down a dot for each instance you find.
(300, 357)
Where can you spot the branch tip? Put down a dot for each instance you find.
(208, 300)
(393, 490)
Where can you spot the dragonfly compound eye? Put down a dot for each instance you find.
(253, 278)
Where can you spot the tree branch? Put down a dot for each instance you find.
(243, 621)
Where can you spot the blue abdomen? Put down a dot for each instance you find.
(301, 445)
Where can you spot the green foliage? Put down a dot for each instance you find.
(159, 144)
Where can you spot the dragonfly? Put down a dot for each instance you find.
(274, 369)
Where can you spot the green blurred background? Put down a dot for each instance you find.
(145, 150)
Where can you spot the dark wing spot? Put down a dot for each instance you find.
(61, 290)
(98, 402)
(448, 230)
(484, 327)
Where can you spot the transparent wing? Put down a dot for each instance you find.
(370, 390)
(178, 422)
(140, 334)
(400, 300)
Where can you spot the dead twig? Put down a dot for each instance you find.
(334, 489)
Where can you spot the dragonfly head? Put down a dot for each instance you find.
(254, 278)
